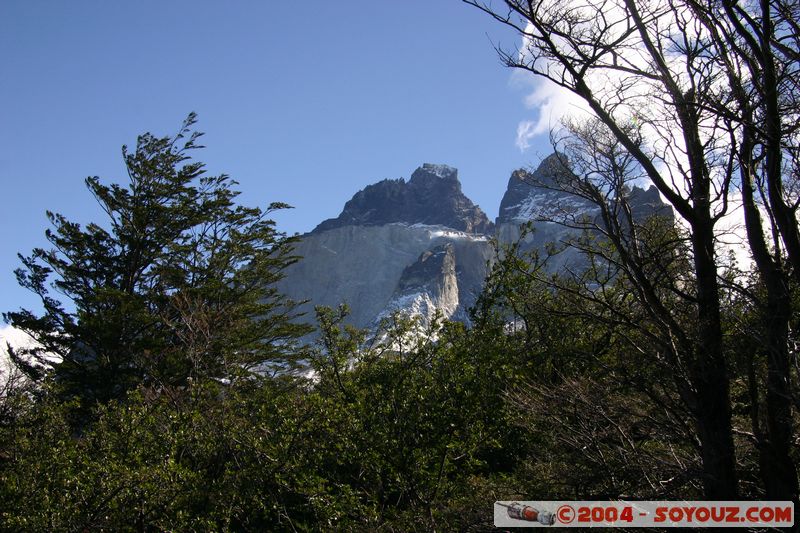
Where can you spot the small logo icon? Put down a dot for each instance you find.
(525, 512)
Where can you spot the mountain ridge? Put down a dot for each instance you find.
(432, 196)
(421, 245)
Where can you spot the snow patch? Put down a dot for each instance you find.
(436, 231)
(417, 305)
(440, 171)
(551, 206)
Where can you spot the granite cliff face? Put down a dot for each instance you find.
(413, 246)
(422, 245)
(427, 285)
(371, 268)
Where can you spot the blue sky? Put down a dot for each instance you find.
(302, 102)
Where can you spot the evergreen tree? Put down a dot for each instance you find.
(177, 283)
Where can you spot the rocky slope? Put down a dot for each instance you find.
(413, 246)
(432, 196)
(530, 198)
(422, 245)
(525, 203)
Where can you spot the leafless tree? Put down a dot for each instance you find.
(702, 97)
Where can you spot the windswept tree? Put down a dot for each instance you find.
(176, 283)
(702, 98)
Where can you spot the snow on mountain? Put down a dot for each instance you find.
(422, 245)
(414, 247)
(535, 198)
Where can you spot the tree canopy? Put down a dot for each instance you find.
(176, 283)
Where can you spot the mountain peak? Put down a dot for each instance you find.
(440, 171)
(523, 186)
(534, 195)
(432, 196)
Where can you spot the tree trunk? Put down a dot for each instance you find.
(777, 469)
(710, 374)
(779, 472)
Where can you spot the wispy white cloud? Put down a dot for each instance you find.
(549, 103)
(526, 131)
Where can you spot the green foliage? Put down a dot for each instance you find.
(421, 417)
(184, 401)
(590, 393)
(203, 458)
(401, 439)
(177, 283)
